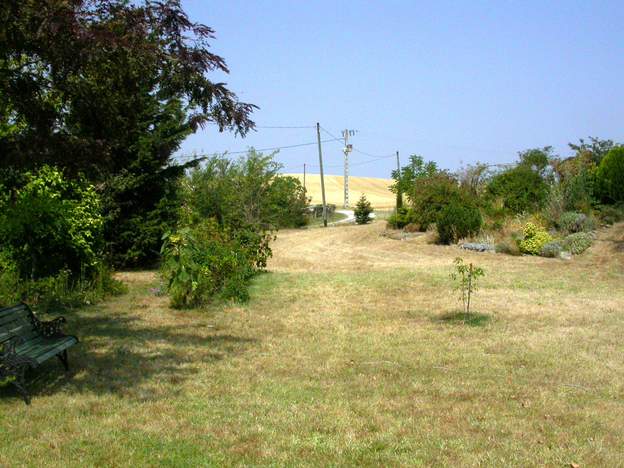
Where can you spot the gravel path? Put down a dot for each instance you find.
(350, 217)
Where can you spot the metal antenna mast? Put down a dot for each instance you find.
(347, 149)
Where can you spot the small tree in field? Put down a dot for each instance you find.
(363, 210)
(466, 276)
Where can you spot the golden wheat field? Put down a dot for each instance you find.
(375, 189)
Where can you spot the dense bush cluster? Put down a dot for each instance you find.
(230, 209)
(205, 261)
(403, 217)
(543, 205)
(51, 233)
(49, 223)
(610, 176)
(457, 221)
(95, 99)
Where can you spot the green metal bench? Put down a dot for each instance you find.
(26, 342)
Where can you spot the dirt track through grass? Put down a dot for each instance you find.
(349, 353)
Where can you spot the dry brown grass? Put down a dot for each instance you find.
(347, 354)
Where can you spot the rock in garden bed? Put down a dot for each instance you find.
(478, 247)
(401, 235)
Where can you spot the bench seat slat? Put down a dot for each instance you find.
(68, 342)
(27, 347)
(18, 329)
(43, 349)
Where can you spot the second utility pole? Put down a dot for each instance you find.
(318, 139)
(399, 200)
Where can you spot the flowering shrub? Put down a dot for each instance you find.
(534, 239)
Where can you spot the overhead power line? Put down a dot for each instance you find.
(284, 126)
(274, 148)
(331, 134)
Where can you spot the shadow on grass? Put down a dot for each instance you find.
(473, 319)
(124, 353)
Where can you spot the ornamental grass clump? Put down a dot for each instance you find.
(551, 249)
(535, 238)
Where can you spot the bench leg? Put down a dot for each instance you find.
(19, 382)
(63, 358)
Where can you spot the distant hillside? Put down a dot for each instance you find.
(376, 190)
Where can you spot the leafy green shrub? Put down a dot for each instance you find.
(9, 280)
(577, 243)
(579, 189)
(571, 222)
(50, 224)
(204, 261)
(457, 221)
(287, 202)
(534, 239)
(610, 214)
(59, 291)
(610, 176)
(432, 194)
(247, 193)
(521, 189)
(402, 218)
(363, 210)
(524, 188)
(551, 249)
(51, 233)
(244, 201)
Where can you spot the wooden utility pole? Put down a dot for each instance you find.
(345, 134)
(304, 174)
(318, 139)
(399, 200)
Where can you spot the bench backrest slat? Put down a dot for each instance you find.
(16, 321)
(10, 311)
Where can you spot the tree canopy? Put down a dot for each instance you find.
(110, 89)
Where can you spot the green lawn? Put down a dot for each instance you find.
(344, 366)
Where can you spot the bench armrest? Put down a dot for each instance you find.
(51, 328)
(12, 365)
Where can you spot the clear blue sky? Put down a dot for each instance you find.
(455, 81)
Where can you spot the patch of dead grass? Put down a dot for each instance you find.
(343, 356)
